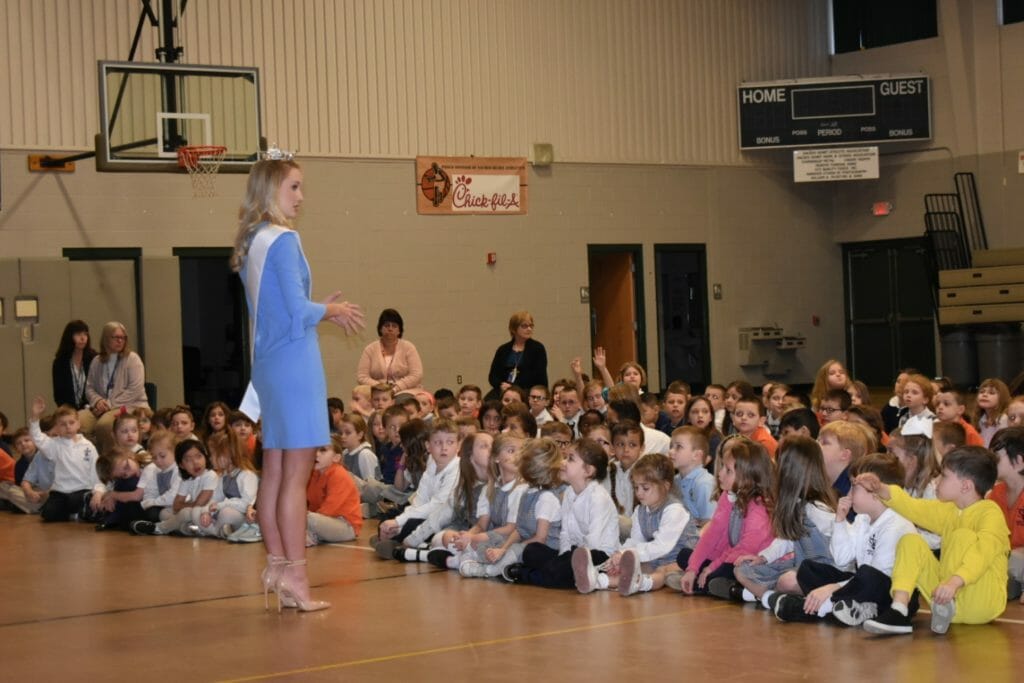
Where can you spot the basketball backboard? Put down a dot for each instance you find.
(149, 110)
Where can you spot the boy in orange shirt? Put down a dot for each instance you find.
(332, 499)
(748, 418)
(949, 407)
(1008, 494)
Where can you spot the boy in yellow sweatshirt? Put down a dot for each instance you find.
(968, 585)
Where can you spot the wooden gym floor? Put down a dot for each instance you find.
(86, 606)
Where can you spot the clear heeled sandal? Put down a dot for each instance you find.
(269, 577)
(286, 592)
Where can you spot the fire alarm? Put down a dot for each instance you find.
(881, 208)
(492, 258)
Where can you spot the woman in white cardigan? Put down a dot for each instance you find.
(391, 359)
(117, 379)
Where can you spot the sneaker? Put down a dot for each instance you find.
(513, 573)
(674, 580)
(888, 623)
(942, 616)
(189, 529)
(385, 549)
(249, 533)
(726, 589)
(629, 573)
(791, 608)
(583, 570)
(471, 569)
(142, 527)
(439, 558)
(771, 600)
(226, 530)
(853, 613)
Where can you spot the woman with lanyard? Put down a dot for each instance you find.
(117, 379)
(391, 359)
(288, 388)
(71, 366)
(522, 361)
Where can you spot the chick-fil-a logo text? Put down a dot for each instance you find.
(492, 192)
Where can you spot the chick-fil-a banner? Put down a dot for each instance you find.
(471, 185)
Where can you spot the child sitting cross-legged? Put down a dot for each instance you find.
(855, 585)
(968, 585)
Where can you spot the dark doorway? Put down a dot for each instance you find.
(889, 309)
(214, 328)
(616, 303)
(680, 271)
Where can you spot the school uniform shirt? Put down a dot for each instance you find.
(674, 519)
(869, 543)
(248, 483)
(434, 489)
(1013, 511)
(515, 493)
(655, 441)
(21, 467)
(149, 482)
(573, 423)
(987, 430)
(589, 519)
(695, 491)
(332, 492)
(623, 493)
(193, 487)
(819, 515)
(41, 473)
(362, 462)
(542, 419)
(74, 461)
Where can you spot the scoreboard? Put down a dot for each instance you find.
(834, 111)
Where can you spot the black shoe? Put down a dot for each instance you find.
(439, 558)
(726, 589)
(142, 527)
(513, 573)
(399, 554)
(791, 608)
(107, 526)
(890, 622)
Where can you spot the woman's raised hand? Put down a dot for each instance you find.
(345, 315)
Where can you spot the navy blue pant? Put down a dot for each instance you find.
(60, 506)
(544, 566)
(724, 570)
(867, 584)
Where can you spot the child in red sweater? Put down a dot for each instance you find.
(332, 499)
(748, 418)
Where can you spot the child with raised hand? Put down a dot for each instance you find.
(802, 521)
(434, 489)
(695, 486)
(868, 545)
(1008, 494)
(741, 524)
(236, 489)
(590, 527)
(460, 514)
(76, 488)
(661, 528)
(333, 512)
(950, 407)
(747, 418)
(159, 480)
(538, 517)
(198, 482)
(968, 584)
(990, 413)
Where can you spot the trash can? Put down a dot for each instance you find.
(960, 357)
(999, 349)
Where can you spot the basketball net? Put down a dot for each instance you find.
(202, 163)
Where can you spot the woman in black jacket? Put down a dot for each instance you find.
(522, 361)
(71, 365)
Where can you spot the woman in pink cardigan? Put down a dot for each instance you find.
(741, 524)
(391, 359)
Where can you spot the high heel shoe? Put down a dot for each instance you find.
(269, 576)
(286, 591)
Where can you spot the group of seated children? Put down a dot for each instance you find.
(811, 507)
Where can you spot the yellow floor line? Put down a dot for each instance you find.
(467, 646)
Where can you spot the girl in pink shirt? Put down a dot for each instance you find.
(741, 524)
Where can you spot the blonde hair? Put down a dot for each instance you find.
(108, 331)
(852, 436)
(517, 319)
(540, 463)
(821, 386)
(260, 204)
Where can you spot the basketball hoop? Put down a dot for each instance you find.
(202, 163)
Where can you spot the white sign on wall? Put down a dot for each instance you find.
(835, 163)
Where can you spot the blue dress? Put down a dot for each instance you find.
(287, 370)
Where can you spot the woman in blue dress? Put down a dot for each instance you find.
(288, 389)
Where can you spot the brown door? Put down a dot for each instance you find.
(613, 306)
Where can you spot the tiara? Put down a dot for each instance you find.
(275, 153)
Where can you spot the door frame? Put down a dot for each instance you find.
(702, 260)
(637, 250)
(133, 254)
